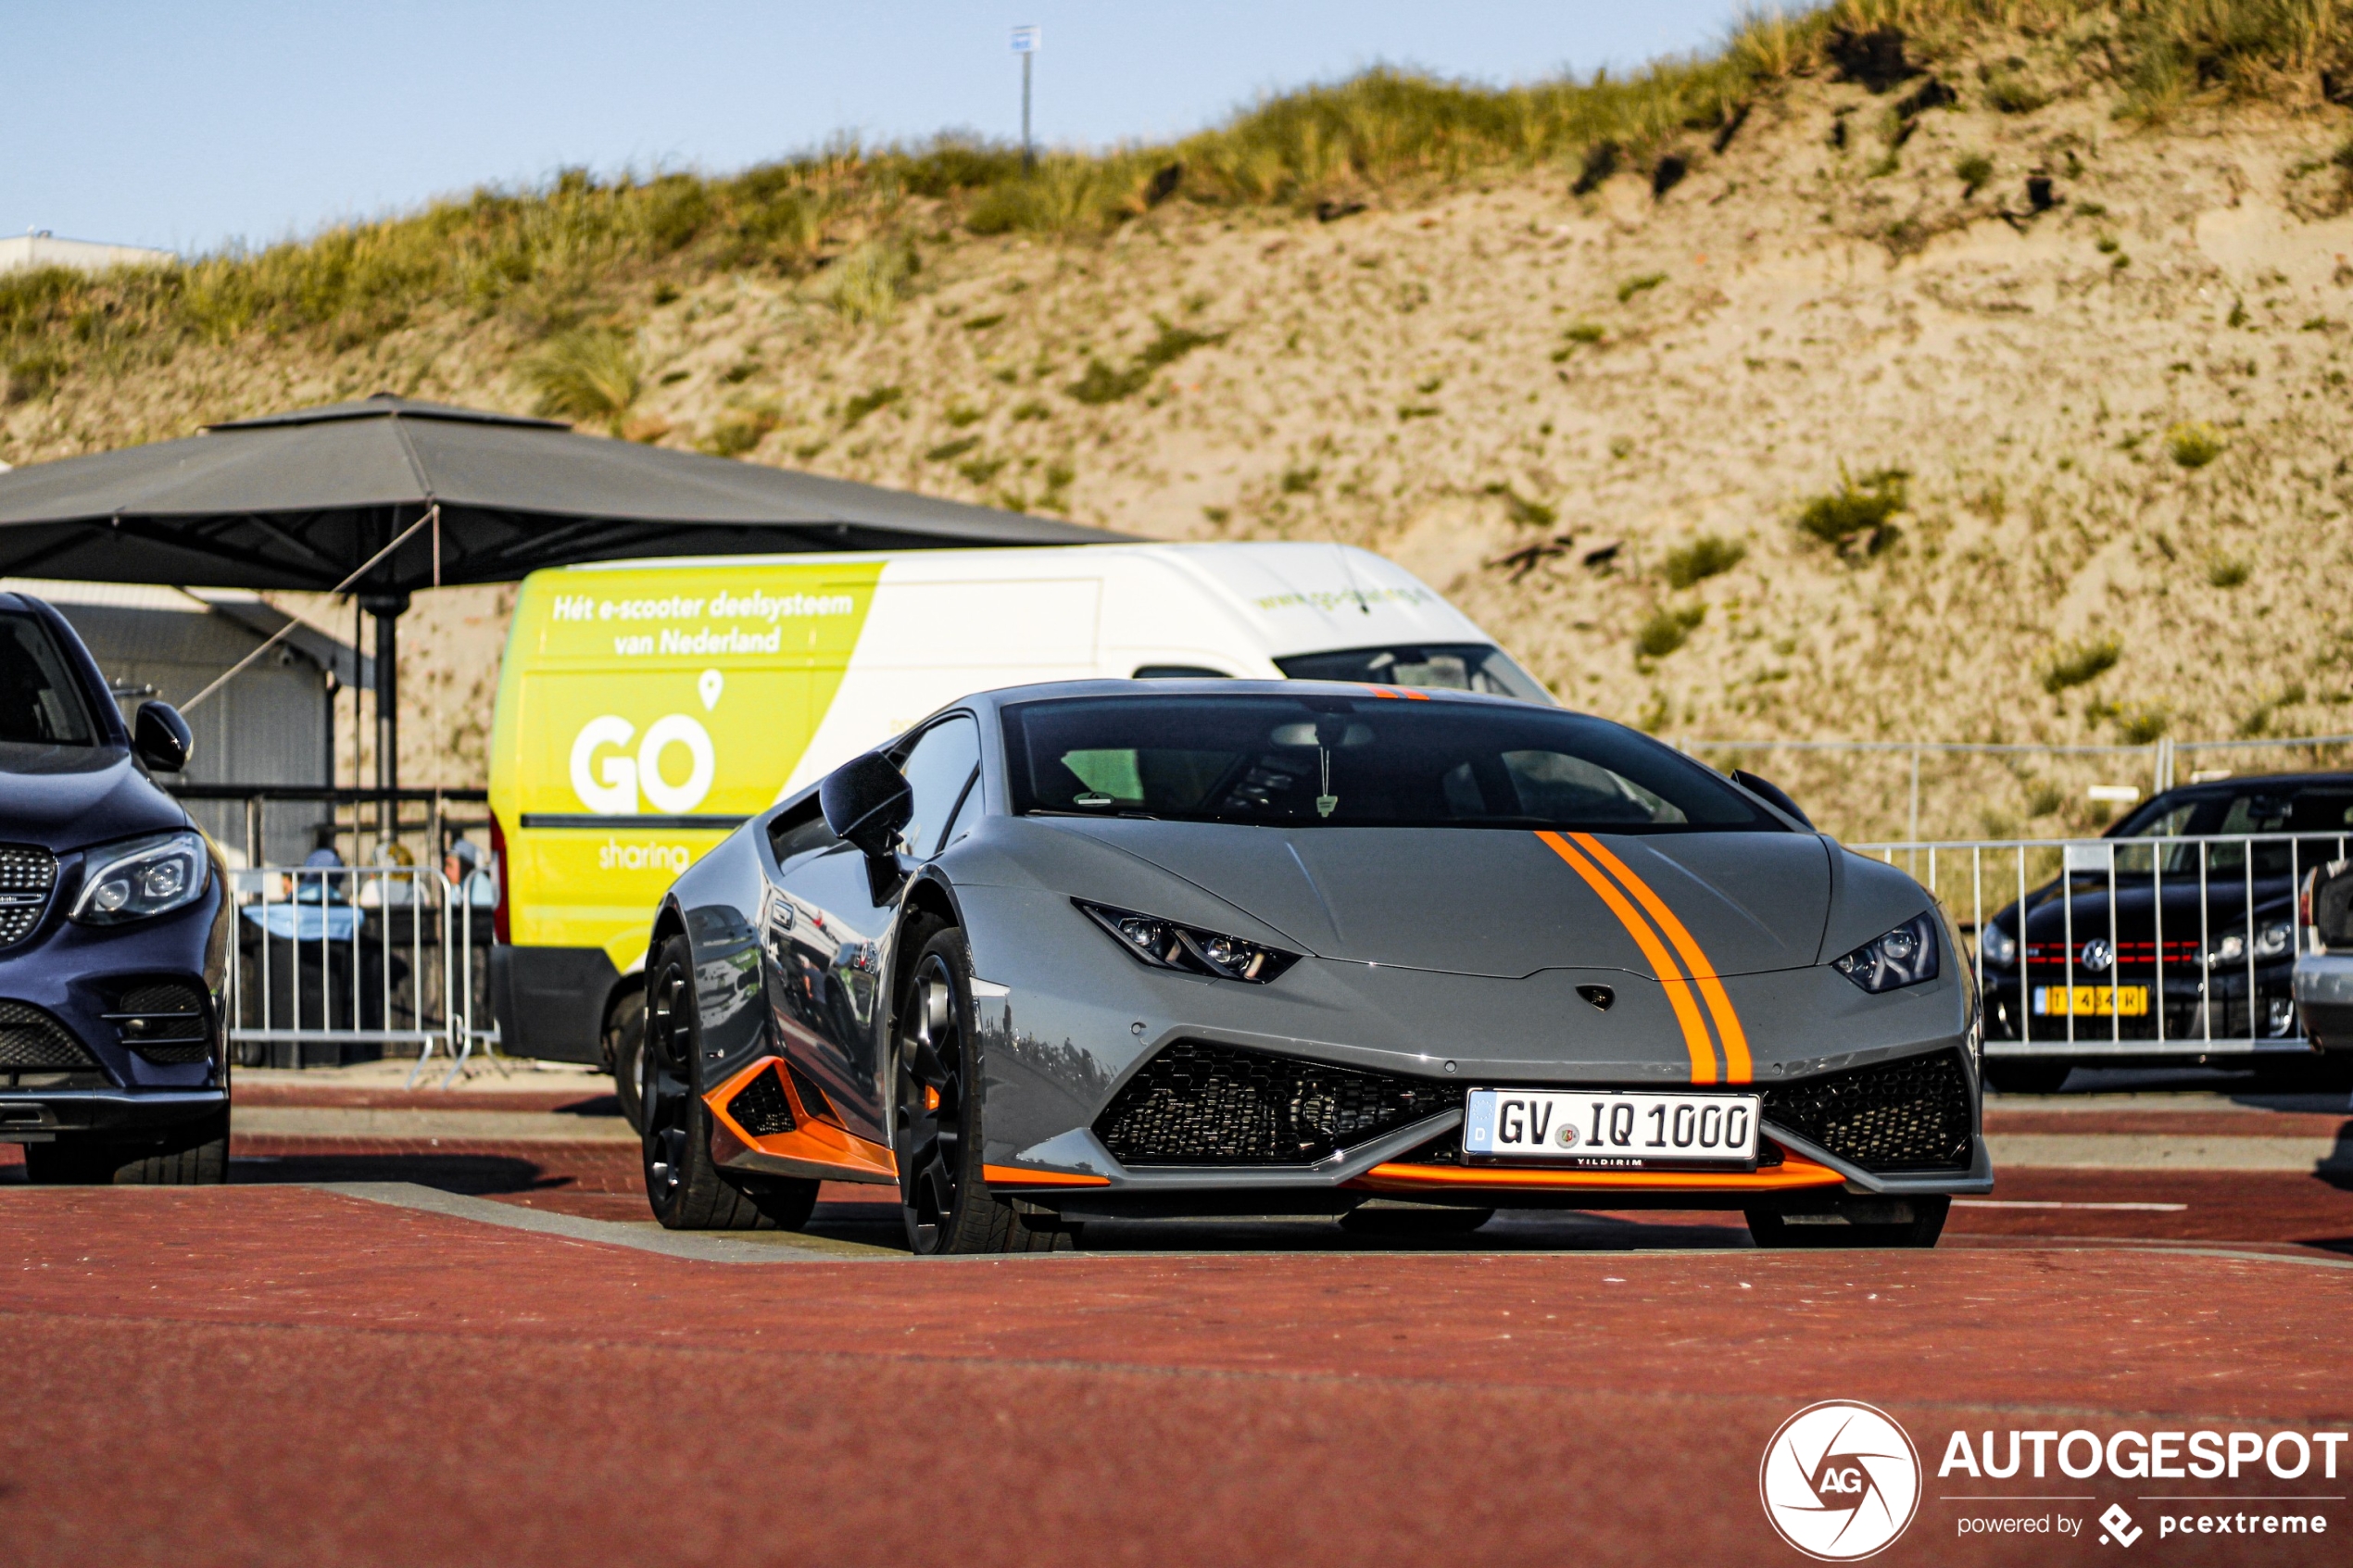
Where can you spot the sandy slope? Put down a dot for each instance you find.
(1383, 380)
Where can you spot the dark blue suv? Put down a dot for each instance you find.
(115, 928)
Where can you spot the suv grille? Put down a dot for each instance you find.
(1907, 1115)
(1202, 1104)
(29, 1038)
(26, 876)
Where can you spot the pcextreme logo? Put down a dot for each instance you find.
(1840, 1481)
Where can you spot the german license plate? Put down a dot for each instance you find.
(2091, 1001)
(1604, 1131)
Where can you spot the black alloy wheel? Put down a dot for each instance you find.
(1771, 1228)
(938, 1140)
(684, 1184)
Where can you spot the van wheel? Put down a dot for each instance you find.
(195, 1155)
(682, 1183)
(626, 1050)
(938, 1132)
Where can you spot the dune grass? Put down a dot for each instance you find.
(582, 250)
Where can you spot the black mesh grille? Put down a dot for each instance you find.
(1202, 1104)
(26, 876)
(1907, 1115)
(759, 1107)
(164, 1022)
(29, 1038)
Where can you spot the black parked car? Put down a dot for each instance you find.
(2092, 983)
(114, 928)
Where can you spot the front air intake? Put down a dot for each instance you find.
(1907, 1115)
(29, 1038)
(1197, 1103)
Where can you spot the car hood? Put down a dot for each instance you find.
(1506, 903)
(63, 797)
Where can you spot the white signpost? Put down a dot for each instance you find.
(1027, 41)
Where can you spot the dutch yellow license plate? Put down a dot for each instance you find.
(2091, 1001)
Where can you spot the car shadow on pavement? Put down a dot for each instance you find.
(474, 1174)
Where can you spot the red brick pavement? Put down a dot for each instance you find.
(272, 1374)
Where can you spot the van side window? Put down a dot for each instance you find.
(943, 762)
(799, 830)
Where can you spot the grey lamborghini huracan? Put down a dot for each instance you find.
(1119, 948)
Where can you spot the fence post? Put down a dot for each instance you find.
(1915, 834)
(2164, 779)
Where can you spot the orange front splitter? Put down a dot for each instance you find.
(1795, 1171)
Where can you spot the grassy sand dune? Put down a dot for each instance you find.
(1906, 372)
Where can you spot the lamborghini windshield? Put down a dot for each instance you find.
(1333, 761)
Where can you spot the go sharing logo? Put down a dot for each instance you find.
(1840, 1481)
(610, 786)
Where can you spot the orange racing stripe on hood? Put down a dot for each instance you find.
(1720, 1004)
(1679, 990)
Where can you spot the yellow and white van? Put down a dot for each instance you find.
(647, 709)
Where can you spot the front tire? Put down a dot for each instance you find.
(937, 1134)
(195, 1155)
(684, 1184)
(1770, 1228)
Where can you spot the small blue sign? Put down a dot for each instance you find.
(1027, 40)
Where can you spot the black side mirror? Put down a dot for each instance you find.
(867, 801)
(1773, 793)
(161, 739)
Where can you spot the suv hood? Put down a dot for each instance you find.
(63, 797)
(1503, 902)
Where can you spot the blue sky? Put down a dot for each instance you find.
(160, 122)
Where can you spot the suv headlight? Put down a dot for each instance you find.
(1164, 944)
(1905, 956)
(144, 877)
(1997, 947)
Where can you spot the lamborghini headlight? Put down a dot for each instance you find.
(144, 877)
(1905, 955)
(1164, 944)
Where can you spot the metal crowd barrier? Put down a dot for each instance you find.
(2130, 987)
(342, 955)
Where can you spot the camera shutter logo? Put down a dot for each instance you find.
(1840, 1481)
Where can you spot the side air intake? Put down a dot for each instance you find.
(1907, 1115)
(759, 1106)
(1197, 1103)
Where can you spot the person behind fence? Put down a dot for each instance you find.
(463, 868)
(318, 906)
(396, 884)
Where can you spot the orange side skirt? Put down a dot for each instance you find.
(819, 1143)
(1796, 1170)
